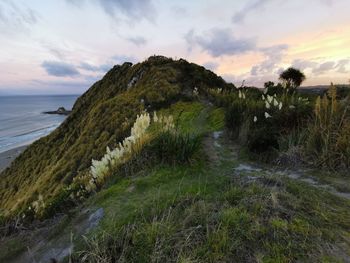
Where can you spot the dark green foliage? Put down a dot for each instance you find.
(269, 84)
(292, 78)
(263, 138)
(58, 204)
(264, 134)
(234, 116)
(343, 92)
(175, 147)
(274, 89)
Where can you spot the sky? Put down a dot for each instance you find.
(64, 46)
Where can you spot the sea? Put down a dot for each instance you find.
(22, 120)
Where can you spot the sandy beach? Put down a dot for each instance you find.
(8, 156)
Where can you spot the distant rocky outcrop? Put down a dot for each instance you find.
(60, 111)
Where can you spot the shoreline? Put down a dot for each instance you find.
(8, 156)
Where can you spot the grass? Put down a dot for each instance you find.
(196, 214)
(339, 180)
(11, 248)
(196, 118)
(329, 132)
(207, 212)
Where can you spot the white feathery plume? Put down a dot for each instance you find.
(101, 168)
(267, 115)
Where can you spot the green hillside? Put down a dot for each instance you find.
(101, 117)
(220, 207)
(196, 170)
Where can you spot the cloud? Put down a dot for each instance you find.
(134, 10)
(273, 56)
(303, 64)
(77, 3)
(190, 39)
(94, 68)
(119, 59)
(319, 68)
(221, 42)
(92, 79)
(131, 11)
(179, 11)
(211, 65)
(89, 67)
(341, 66)
(218, 42)
(256, 5)
(327, 2)
(60, 69)
(60, 54)
(251, 7)
(59, 86)
(16, 18)
(324, 67)
(137, 40)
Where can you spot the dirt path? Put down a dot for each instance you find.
(220, 147)
(54, 242)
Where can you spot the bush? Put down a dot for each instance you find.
(260, 121)
(328, 142)
(175, 147)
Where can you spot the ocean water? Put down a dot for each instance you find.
(22, 120)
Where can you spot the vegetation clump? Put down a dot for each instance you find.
(292, 78)
(261, 119)
(288, 125)
(328, 142)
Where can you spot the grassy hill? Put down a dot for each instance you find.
(220, 207)
(236, 178)
(101, 117)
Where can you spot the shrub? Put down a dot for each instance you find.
(328, 143)
(175, 147)
(260, 121)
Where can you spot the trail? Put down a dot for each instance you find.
(52, 242)
(221, 148)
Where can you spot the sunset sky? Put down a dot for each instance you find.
(64, 46)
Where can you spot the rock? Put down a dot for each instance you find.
(60, 111)
(95, 218)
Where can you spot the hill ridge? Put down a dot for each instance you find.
(101, 117)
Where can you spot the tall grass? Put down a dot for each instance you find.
(328, 143)
(175, 147)
(229, 221)
(152, 138)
